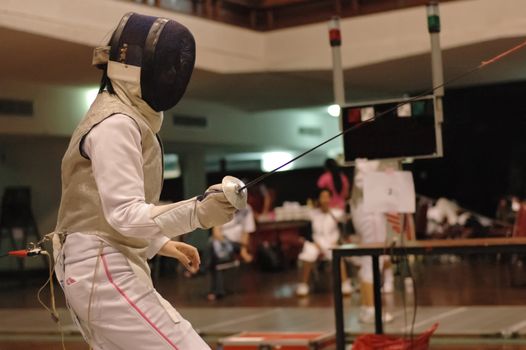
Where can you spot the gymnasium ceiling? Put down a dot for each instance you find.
(44, 60)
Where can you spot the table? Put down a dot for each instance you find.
(375, 250)
(288, 235)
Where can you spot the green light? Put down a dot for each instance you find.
(433, 24)
(433, 17)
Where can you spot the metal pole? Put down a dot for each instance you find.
(433, 26)
(337, 69)
(377, 285)
(338, 300)
(339, 99)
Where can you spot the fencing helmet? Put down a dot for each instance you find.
(156, 54)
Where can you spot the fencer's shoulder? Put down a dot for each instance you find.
(120, 120)
(117, 124)
(118, 129)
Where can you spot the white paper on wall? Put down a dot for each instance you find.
(389, 192)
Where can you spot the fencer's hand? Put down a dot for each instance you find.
(213, 209)
(185, 253)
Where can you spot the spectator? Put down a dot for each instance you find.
(335, 180)
(261, 199)
(325, 235)
(226, 241)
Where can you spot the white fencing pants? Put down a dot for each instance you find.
(310, 252)
(125, 312)
(372, 228)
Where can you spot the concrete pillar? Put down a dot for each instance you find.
(194, 184)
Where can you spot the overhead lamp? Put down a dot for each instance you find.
(272, 160)
(334, 110)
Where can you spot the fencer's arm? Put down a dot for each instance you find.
(211, 209)
(114, 148)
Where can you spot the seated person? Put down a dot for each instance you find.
(441, 217)
(325, 235)
(447, 220)
(507, 210)
(227, 241)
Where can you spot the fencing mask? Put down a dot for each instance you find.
(153, 53)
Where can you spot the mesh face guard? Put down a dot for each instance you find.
(162, 49)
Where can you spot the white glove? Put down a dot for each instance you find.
(208, 210)
(213, 209)
(177, 218)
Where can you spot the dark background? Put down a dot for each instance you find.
(484, 134)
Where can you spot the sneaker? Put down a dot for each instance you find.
(387, 317)
(388, 288)
(347, 288)
(367, 315)
(302, 289)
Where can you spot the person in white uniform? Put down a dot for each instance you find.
(238, 230)
(371, 228)
(109, 222)
(325, 236)
(226, 241)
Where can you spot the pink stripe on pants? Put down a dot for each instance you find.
(132, 304)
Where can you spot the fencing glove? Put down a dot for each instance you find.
(208, 210)
(213, 209)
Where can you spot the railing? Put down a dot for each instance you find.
(266, 15)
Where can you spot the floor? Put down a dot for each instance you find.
(473, 300)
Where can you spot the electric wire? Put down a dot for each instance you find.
(92, 292)
(483, 64)
(52, 309)
(406, 262)
(403, 263)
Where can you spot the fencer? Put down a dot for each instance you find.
(109, 223)
(372, 228)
